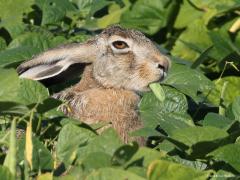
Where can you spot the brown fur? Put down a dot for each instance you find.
(107, 90)
(92, 104)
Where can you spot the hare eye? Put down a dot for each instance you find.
(120, 44)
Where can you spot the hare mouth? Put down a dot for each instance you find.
(162, 77)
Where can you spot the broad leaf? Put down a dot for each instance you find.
(188, 81)
(233, 110)
(198, 141)
(107, 142)
(54, 10)
(193, 135)
(11, 13)
(109, 173)
(194, 44)
(39, 41)
(216, 120)
(96, 160)
(183, 18)
(16, 55)
(115, 13)
(31, 92)
(41, 157)
(169, 114)
(231, 92)
(161, 169)
(229, 154)
(147, 15)
(9, 84)
(5, 173)
(70, 138)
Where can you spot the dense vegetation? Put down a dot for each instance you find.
(194, 133)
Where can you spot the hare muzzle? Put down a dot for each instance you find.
(163, 64)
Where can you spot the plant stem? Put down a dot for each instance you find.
(221, 105)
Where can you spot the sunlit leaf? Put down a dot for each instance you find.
(161, 169)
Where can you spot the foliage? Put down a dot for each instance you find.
(193, 131)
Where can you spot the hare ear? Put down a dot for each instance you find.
(53, 62)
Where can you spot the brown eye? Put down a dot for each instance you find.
(120, 44)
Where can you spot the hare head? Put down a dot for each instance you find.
(121, 58)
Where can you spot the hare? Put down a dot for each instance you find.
(119, 63)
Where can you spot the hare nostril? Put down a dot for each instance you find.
(161, 67)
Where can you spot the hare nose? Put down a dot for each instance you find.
(163, 62)
(164, 65)
(160, 66)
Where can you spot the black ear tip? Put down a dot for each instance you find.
(20, 69)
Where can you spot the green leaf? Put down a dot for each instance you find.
(174, 102)
(201, 41)
(5, 173)
(96, 5)
(233, 110)
(201, 58)
(115, 13)
(66, 149)
(161, 169)
(3, 44)
(84, 6)
(79, 38)
(220, 6)
(221, 174)
(166, 146)
(169, 114)
(145, 156)
(216, 120)
(9, 84)
(12, 12)
(11, 158)
(124, 153)
(21, 91)
(33, 40)
(41, 158)
(198, 141)
(107, 142)
(223, 44)
(138, 171)
(231, 92)
(45, 176)
(16, 55)
(31, 92)
(193, 135)
(157, 91)
(28, 44)
(173, 121)
(194, 164)
(96, 160)
(13, 108)
(109, 173)
(209, 10)
(48, 105)
(183, 19)
(54, 10)
(147, 15)
(188, 81)
(229, 154)
(57, 41)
